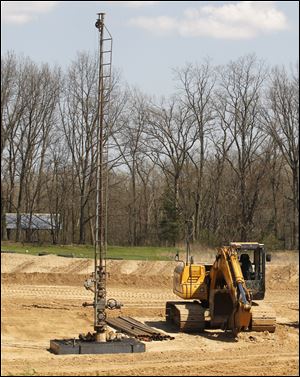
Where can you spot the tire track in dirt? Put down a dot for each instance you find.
(46, 298)
(22, 267)
(78, 266)
(221, 366)
(168, 365)
(73, 292)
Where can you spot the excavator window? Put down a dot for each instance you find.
(246, 266)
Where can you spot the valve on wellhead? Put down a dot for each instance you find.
(113, 304)
(89, 284)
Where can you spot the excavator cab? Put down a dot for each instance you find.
(252, 258)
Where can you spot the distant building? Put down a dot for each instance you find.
(36, 221)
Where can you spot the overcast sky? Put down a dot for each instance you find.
(152, 37)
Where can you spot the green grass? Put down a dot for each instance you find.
(87, 251)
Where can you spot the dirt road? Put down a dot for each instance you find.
(42, 299)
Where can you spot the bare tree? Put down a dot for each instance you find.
(12, 106)
(240, 109)
(58, 189)
(171, 135)
(282, 123)
(196, 84)
(221, 142)
(130, 143)
(29, 99)
(79, 120)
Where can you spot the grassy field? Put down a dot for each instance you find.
(87, 251)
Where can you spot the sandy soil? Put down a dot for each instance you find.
(41, 299)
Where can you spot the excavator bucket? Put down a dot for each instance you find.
(221, 307)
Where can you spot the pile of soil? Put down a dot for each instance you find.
(51, 269)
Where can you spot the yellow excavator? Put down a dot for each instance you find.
(223, 295)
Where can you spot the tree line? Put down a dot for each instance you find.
(216, 161)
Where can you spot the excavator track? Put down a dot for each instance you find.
(263, 318)
(186, 316)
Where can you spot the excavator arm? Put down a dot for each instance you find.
(229, 299)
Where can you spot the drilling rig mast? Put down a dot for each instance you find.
(98, 282)
(104, 89)
(101, 193)
(99, 341)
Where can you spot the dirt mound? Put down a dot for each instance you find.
(283, 277)
(284, 257)
(50, 269)
(41, 278)
(16, 263)
(118, 280)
